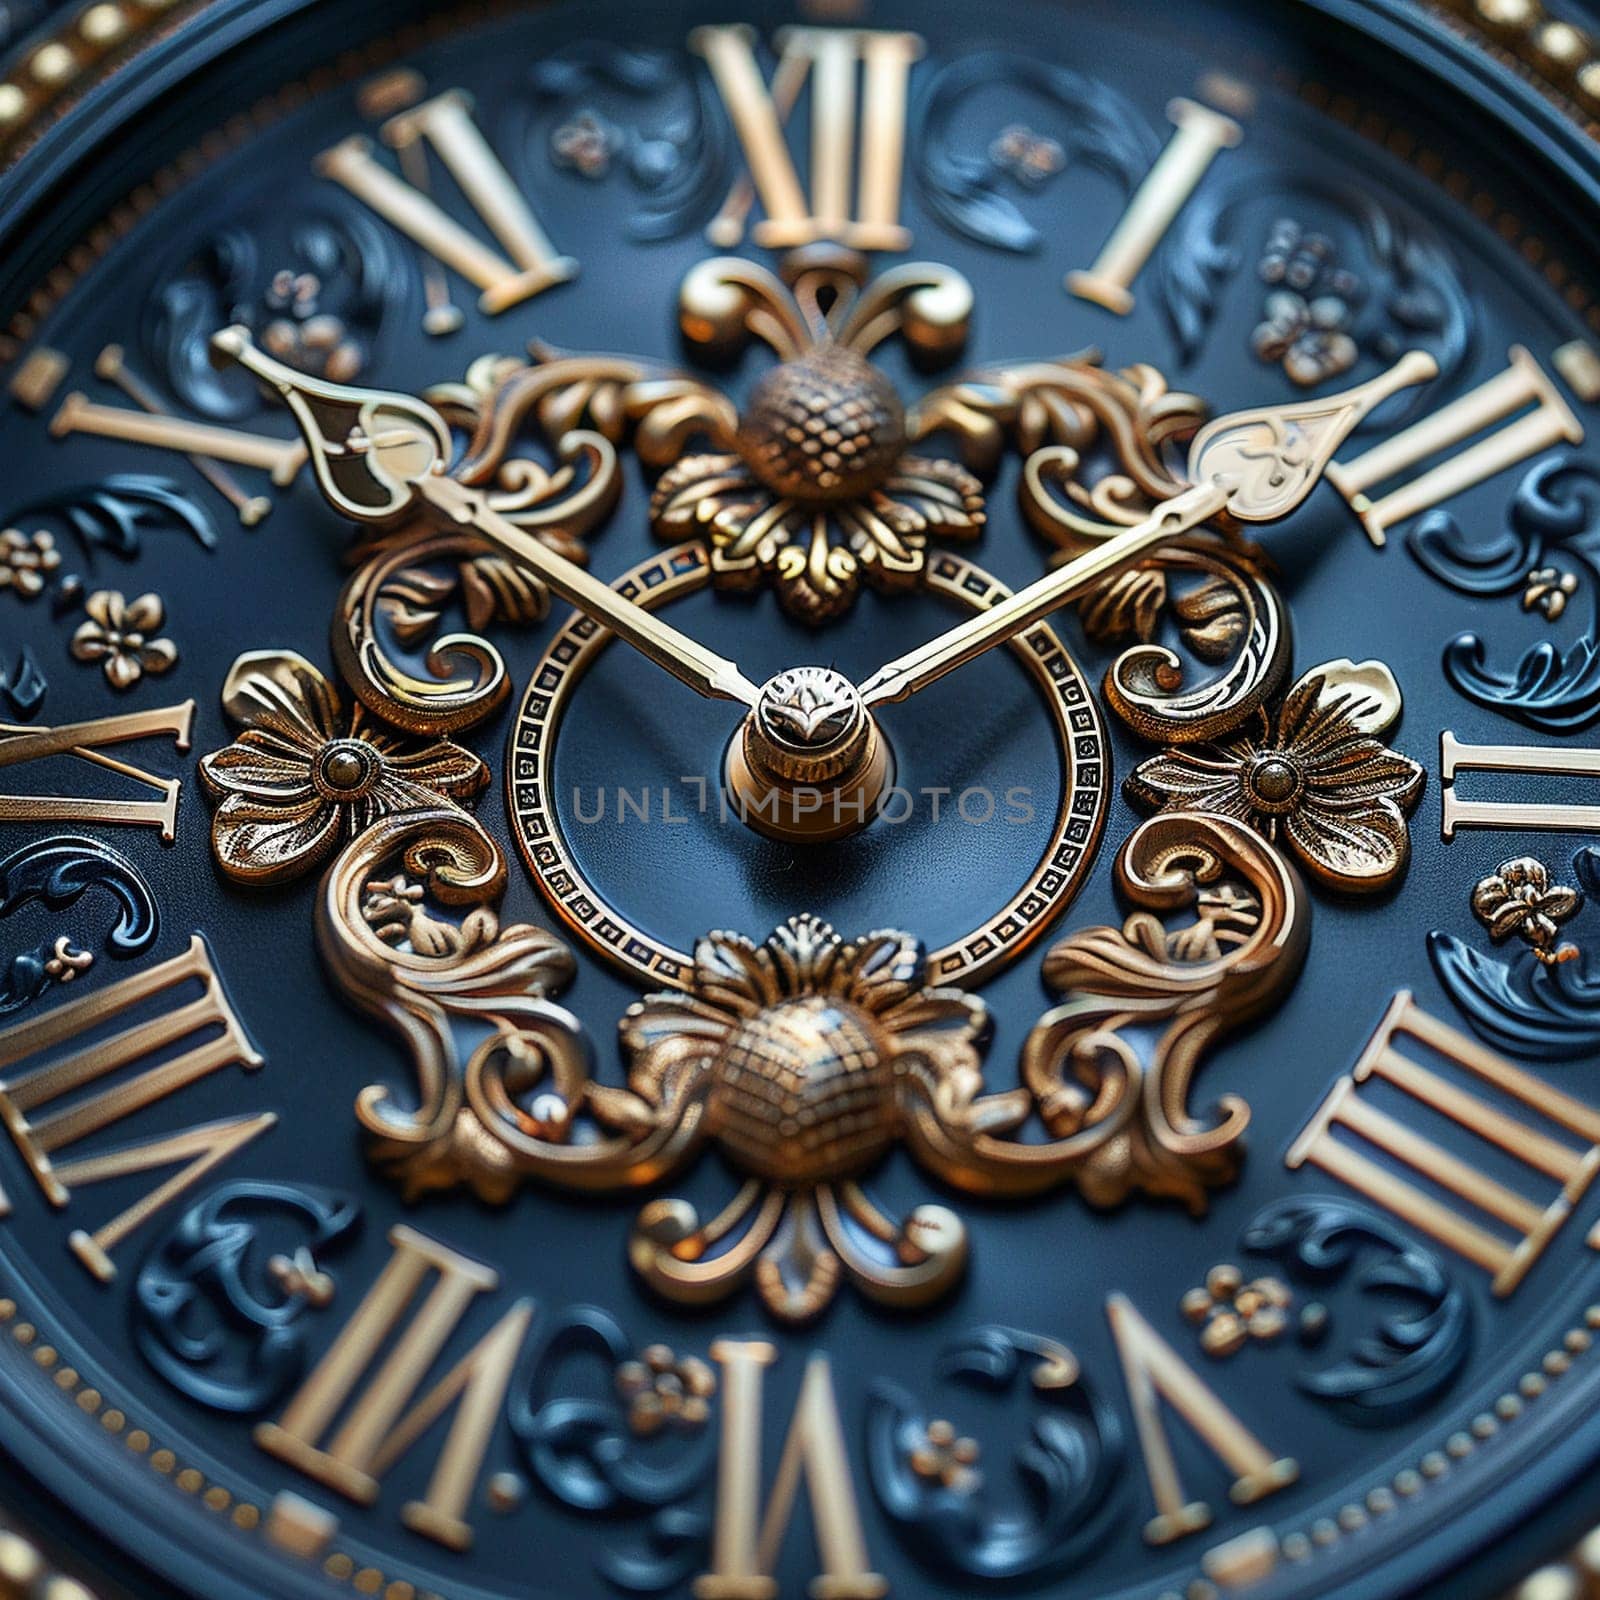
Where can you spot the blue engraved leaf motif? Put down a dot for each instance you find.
(1555, 506)
(1068, 1465)
(579, 1447)
(682, 163)
(202, 1314)
(25, 685)
(116, 513)
(357, 268)
(1413, 1354)
(1527, 1009)
(1104, 131)
(56, 873)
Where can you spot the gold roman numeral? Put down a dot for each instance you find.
(383, 1421)
(206, 444)
(1524, 383)
(87, 742)
(444, 123)
(1532, 1225)
(1203, 134)
(211, 1037)
(855, 199)
(1546, 760)
(747, 1543)
(1155, 1372)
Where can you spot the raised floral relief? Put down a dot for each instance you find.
(1310, 305)
(1344, 278)
(1519, 898)
(1099, 450)
(1542, 1002)
(1316, 774)
(820, 491)
(121, 637)
(806, 1059)
(303, 776)
(612, 110)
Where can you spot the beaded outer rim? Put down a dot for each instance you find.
(51, 74)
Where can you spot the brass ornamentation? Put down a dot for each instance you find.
(665, 1391)
(1519, 898)
(27, 561)
(408, 575)
(1315, 774)
(806, 1059)
(796, 1057)
(1119, 1109)
(817, 490)
(301, 777)
(1252, 465)
(481, 1121)
(945, 1457)
(118, 634)
(1068, 416)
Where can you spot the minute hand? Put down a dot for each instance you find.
(376, 455)
(1256, 465)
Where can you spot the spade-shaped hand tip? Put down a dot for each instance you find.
(1274, 456)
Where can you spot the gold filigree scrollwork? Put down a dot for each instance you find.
(1232, 614)
(302, 777)
(1109, 1071)
(806, 1059)
(408, 576)
(1100, 450)
(468, 997)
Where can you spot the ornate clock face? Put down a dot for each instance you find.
(798, 800)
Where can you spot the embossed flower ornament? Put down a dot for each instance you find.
(1519, 898)
(120, 635)
(817, 490)
(1317, 776)
(301, 777)
(802, 1049)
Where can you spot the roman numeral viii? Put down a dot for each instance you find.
(63, 1079)
(358, 1413)
(1498, 1227)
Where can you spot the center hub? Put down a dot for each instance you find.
(809, 763)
